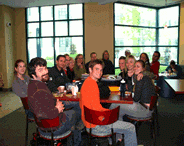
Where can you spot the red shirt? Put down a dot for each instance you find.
(155, 66)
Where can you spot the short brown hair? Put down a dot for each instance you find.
(97, 61)
(92, 53)
(122, 57)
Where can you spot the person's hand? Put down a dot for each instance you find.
(60, 106)
(139, 76)
(174, 70)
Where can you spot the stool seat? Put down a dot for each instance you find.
(139, 118)
(107, 134)
(55, 137)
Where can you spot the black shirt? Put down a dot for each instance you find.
(56, 78)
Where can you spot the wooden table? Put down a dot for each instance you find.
(176, 84)
(70, 97)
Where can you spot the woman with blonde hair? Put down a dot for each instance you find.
(122, 66)
(70, 71)
(79, 67)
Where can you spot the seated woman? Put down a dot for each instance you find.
(21, 81)
(122, 67)
(130, 64)
(144, 89)
(173, 68)
(109, 67)
(144, 57)
(79, 67)
(70, 71)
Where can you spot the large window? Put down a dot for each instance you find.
(54, 30)
(141, 29)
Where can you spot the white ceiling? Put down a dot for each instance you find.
(32, 3)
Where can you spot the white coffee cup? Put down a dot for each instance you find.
(62, 88)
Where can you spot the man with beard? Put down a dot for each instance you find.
(44, 105)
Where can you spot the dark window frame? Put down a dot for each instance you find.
(157, 29)
(54, 36)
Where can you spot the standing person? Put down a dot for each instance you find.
(155, 64)
(127, 53)
(90, 98)
(145, 58)
(79, 67)
(70, 71)
(144, 89)
(44, 105)
(20, 83)
(93, 57)
(122, 66)
(109, 67)
(57, 76)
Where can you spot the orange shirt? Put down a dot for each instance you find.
(90, 97)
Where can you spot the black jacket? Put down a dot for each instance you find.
(56, 78)
(70, 74)
(109, 67)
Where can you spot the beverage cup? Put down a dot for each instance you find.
(62, 88)
(74, 90)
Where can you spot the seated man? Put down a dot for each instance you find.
(43, 104)
(90, 98)
(93, 57)
(173, 68)
(155, 64)
(57, 76)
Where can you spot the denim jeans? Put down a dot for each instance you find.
(119, 127)
(135, 110)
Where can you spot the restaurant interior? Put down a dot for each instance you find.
(98, 29)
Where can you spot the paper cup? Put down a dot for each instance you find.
(62, 88)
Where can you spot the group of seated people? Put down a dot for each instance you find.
(40, 84)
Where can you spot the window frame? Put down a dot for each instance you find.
(68, 20)
(156, 28)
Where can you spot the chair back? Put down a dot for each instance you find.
(101, 117)
(153, 102)
(47, 123)
(25, 102)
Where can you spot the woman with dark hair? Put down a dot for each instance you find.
(21, 81)
(109, 67)
(144, 89)
(145, 58)
(79, 67)
(122, 66)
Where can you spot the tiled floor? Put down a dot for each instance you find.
(10, 102)
(171, 115)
